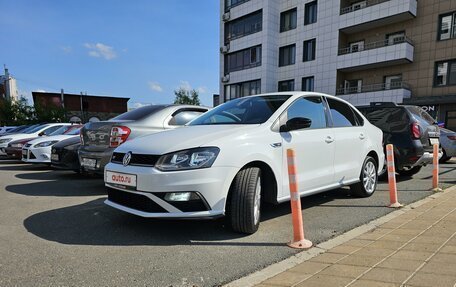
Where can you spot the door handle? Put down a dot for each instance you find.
(362, 136)
(329, 139)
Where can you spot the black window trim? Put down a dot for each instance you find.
(439, 25)
(313, 83)
(447, 76)
(281, 29)
(286, 81)
(315, 2)
(314, 50)
(351, 108)
(288, 46)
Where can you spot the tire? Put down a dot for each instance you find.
(409, 171)
(244, 209)
(444, 157)
(368, 179)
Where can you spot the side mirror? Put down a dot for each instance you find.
(296, 124)
(41, 134)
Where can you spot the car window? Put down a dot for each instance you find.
(387, 119)
(250, 110)
(50, 130)
(311, 108)
(139, 113)
(183, 117)
(73, 131)
(341, 113)
(421, 116)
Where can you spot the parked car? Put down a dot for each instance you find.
(229, 160)
(64, 154)
(17, 130)
(31, 132)
(448, 142)
(99, 139)
(39, 150)
(411, 130)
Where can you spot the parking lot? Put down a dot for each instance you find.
(55, 230)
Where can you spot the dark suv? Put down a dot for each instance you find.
(411, 130)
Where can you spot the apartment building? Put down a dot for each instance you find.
(401, 51)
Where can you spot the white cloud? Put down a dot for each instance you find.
(186, 86)
(154, 86)
(101, 50)
(136, 105)
(66, 49)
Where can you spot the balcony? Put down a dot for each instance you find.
(376, 54)
(392, 92)
(370, 14)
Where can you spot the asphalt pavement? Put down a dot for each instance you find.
(56, 231)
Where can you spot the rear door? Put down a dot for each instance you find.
(350, 141)
(313, 146)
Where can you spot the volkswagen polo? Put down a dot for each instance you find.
(231, 159)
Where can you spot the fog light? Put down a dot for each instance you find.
(181, 196)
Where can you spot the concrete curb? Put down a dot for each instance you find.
(282, 266)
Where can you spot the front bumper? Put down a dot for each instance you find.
(36, 155)
(14, 153)
(211, 184)
(67, 160)
(2, 148)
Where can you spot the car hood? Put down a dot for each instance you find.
(51, 138)
(184, 138)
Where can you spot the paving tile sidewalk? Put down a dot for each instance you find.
(416, 248)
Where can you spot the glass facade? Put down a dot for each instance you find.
(246, 25)
(239, 90)
(243, 59)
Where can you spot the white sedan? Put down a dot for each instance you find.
(230, 159)
(39, 150)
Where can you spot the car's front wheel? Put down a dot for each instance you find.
(368, 179)
(245, 204)
(444, 157)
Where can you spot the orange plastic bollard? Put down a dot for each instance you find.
(391, 177)
(435, 170)
(298, 228)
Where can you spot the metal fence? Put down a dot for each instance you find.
(375, 45)
(368, 3)
(373, 88)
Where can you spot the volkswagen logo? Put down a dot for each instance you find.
(126, 159)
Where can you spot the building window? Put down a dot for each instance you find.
(309, 50)
(231, 3)
(286, 86)
(246, 25)
(308, 84)
(310, 13)
(243, 89)
(243, 59)
(447, 29)
(288, 20)
(392, 82)
(287, 55)
(445, 73)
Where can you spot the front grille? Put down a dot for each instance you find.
(136, 159)
(134, 201)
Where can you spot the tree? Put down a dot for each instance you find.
(49, 114)
(16, 112)
(186, 97)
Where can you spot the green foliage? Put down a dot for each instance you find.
(186, 97)
(15, 113)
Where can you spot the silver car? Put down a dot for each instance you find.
(448, 143)
(99, 139)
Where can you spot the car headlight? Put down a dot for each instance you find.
(45, 144)
(73, 146)
(17, 145)
(188, 159)
(2, 141)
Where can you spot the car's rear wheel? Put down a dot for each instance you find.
(245, 205)
(368, 179)
(444, 157)
(409, 171)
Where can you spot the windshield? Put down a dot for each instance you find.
(60, 131)
(139, 113)
(35, 129)
(421, 116)
(74, 130)
(251, 110)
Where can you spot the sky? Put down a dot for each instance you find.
(141, 49)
